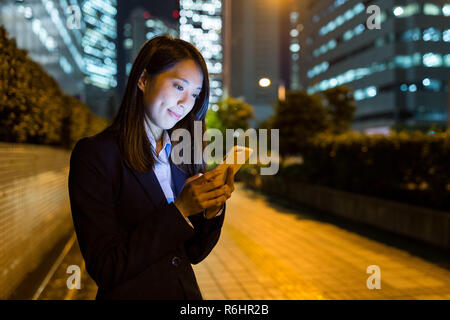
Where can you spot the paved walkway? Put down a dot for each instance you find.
(268, 250)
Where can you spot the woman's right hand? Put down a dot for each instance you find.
(200, 192)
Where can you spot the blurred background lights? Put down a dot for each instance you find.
(295, 47)
(398, 11)
(264, 82)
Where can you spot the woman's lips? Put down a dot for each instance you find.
(173, 114)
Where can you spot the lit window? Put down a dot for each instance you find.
(295, 47)
(333, 82)
(446, 35)
(406, 11)
(349, 15)
(332, 44)
(294, 33)
(412, 88)
(431, 9)
(431, 34)
(348, 35)
(398, 11)
(294, 17)
(340, 20)
(446, 10)
(331, 26)
(350, 75)
(359, 29)
(432, 60)
(128, 43)
(432, 84)
(403, 61)
(359, 8)
(411, 35)
(371, 92)
(447, 60)
(359, 95)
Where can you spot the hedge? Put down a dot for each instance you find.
(407, 167)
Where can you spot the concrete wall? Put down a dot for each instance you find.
(427, 225)
(34, 208)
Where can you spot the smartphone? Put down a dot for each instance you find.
(235, 158)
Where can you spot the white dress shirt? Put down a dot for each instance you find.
(162, 166)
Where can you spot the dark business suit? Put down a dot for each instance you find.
(135, 245)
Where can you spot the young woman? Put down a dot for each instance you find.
(141, 220)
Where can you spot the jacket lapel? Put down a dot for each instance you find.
(150, 183)
(178, 177)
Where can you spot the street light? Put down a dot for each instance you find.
(264, 82)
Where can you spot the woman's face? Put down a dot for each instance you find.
(171, 95)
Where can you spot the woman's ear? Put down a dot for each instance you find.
(142, 81)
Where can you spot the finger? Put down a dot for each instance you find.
(215, 202)
(211, 185)
(218, 192)
(202, 179)
(211, 174)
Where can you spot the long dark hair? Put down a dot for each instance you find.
(156, 56)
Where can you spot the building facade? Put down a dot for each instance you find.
(201, 25)
(139, 27)
(397, 61)
(252, 44)
(99, 34)
(74, 40)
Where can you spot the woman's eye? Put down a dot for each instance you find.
(181, 89)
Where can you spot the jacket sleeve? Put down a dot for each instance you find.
(207, 233)
(113, 256)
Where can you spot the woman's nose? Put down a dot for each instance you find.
(183, 100)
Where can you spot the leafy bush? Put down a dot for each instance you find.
(409, 167)
(302, 116)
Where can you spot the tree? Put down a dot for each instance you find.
(234, 114)
(300, 117)
(341, 108)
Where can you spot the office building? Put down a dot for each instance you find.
(399, 71)
(141, 26)
(252, 53)
(201, 25)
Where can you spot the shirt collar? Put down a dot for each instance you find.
(167, 145)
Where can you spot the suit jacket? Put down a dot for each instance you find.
(135, 244)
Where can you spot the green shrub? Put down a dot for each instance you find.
(409, 167)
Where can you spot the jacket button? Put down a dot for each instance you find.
(175, 261)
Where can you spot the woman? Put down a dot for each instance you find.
(141, 220)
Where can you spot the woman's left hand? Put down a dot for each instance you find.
(211, 212)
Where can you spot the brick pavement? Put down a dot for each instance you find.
(271, 251)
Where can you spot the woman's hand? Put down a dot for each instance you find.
(204, 191)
